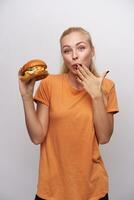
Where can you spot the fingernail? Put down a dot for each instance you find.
(107, 71)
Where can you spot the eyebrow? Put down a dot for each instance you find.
(76, 44)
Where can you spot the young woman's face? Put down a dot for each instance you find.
(76, 50)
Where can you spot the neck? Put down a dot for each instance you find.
(74, 82)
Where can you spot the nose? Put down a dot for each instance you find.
(74, 55)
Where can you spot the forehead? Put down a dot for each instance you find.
(74, 38)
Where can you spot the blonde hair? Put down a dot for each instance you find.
(81, 30)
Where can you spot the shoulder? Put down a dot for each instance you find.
(52, 79)
(108, 84)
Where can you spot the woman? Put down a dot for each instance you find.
(74, 115)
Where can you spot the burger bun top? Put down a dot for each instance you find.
(33, 63)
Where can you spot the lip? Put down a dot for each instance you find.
(76, 65)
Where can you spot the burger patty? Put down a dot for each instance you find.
(34, 69)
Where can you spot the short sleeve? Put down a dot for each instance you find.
(42, 93)
(112, 103)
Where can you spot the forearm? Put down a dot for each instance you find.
(102, 120)
(33, 124)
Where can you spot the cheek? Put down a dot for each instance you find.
(66, 59)
(87, 58)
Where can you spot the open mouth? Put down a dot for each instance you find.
(76, 65)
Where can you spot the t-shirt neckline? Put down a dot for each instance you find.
(72, 88)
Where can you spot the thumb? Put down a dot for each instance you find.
(32, 81)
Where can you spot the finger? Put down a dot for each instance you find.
(82, 71)
(88, 72)
(30, 81)
(80, 74)
(33, 80)
(19, 72)
(79, 80)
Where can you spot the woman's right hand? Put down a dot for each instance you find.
(26, 87)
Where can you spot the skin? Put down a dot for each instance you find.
(36, 118)
(77, 55)
(76, 51)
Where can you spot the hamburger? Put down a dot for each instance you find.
(33, 69)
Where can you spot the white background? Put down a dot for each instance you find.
(31, 29)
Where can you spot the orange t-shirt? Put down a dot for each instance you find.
(71, 167)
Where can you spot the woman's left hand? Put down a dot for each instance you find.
(91, 83)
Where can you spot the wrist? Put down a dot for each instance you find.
(27, 97)
(97, 96)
